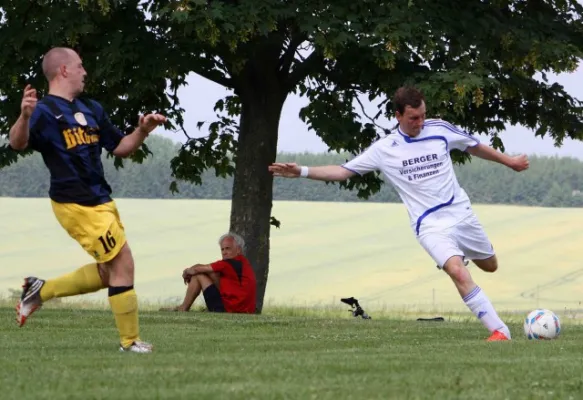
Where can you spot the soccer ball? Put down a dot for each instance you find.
(542, 324)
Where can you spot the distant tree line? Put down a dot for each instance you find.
(550, 181)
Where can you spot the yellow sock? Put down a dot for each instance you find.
(84, 280)
(125, 310)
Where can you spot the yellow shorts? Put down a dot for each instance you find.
(98, 229)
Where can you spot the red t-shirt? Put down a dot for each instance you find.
(237, 284)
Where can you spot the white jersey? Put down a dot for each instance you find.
(421, 171)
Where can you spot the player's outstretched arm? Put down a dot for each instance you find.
(19, 132)
(517, 163)
(323, 173)
(134, 140)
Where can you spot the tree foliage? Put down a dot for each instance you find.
(477, 62)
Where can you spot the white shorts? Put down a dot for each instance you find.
(466, 239)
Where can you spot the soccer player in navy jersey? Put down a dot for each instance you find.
(70, 134)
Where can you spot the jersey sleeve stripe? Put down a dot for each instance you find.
(451, 128)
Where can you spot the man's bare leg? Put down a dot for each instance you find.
(197, 284)
(192, 291)
(487, 265)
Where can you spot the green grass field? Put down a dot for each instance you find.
(71, 354)
(322, 252)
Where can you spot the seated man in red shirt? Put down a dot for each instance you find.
(228, 285)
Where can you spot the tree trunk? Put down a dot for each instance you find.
(261, 105)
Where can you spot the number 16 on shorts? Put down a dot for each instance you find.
(108, 242)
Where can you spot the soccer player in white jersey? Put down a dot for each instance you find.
(415, 159)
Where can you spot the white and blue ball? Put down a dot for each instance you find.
(542, 324)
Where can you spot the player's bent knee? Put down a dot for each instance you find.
(460, 275)
(457, 271)
(491, 267)
(452, 263)
(487, 265)
(123, 259)
(121, 268)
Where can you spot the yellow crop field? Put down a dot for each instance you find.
(322, 252)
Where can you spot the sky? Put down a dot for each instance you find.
(199, 97)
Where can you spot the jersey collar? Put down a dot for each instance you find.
(408, 138)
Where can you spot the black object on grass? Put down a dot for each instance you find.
(357, 310)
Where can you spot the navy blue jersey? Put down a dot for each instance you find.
(70, 135)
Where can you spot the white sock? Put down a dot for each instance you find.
(478, 302)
